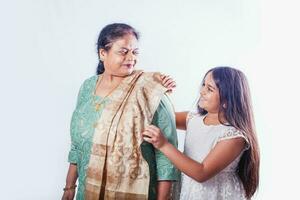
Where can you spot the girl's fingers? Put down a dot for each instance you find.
(168, 82)
(162, 76)
(171, 85)
(147, 139)
(174, 84)
(165, 79)
(147, 133)
(152, 128)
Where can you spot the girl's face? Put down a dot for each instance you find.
(209, 95)
(121, 58)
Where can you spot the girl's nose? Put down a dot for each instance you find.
(202, 91)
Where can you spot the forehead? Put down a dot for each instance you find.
(209, 79)
(128, 41)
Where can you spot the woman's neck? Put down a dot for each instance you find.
(109, 79)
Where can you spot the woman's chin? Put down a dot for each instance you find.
(125, 73)
(128, 71)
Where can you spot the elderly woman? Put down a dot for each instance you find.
(108, 154)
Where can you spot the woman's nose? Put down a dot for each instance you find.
(130, 56)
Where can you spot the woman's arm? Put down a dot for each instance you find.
(169, 83)
(72, 175)
(221, 156)
(181, 120)
(165, 170)
(163, 190)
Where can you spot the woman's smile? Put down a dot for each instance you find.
(128, 66)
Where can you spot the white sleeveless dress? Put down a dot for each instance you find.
(199, 141)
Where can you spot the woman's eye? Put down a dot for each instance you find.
(123, 52)
(136, 53)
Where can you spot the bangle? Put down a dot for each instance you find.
(70, 188)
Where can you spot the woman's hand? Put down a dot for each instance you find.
(69, 190)
(168, 82)
(68, 195)
(153, 135)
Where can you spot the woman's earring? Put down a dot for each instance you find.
(224, 106)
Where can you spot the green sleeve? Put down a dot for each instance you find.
(165, 120)
(81, 98)
(73, 154)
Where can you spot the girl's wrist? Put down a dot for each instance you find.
(165, 146)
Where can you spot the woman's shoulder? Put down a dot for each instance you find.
(151, 82)
(87, 86)
(150, 77)
(91, 80)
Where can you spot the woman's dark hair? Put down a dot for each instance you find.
(235, 94)
(108, 35)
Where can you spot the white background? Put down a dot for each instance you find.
(47, 49)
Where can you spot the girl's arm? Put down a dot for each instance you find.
(181, 120)
(221, 156)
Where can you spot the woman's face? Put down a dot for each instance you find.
(121, 58)
(209, 95)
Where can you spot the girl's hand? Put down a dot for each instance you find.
(153, 135)
(168, 82)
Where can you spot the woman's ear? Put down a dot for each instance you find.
(102, 54)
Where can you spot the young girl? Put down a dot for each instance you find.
(221, 155)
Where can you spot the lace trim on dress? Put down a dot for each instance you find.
(234, 133)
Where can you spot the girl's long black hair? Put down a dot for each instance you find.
(235, 94)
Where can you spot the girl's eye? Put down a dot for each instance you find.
(210, 90)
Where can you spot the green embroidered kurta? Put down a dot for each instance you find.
(82, 130)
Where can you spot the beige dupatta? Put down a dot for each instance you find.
(117, 169)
